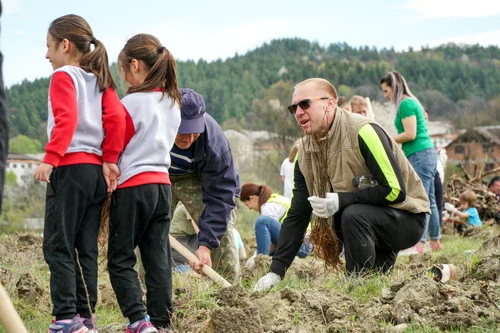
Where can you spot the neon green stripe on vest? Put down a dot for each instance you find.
(282, 201)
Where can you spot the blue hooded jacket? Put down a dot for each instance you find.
(213, 160)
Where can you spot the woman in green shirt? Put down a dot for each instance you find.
(417, 146)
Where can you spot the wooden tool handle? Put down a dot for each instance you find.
(8, 315)
(174, 243)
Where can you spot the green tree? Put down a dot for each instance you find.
(22, 144)
(457, 74)
(344, 90)
(10, 178)
(270, 114)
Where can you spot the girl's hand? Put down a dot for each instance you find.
(111, 175)
(43, 171)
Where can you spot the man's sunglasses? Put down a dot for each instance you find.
(304, 104)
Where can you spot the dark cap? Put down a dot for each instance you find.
(192, 112)
(494, 180)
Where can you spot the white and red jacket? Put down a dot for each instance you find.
(152, 124)
(84, 125)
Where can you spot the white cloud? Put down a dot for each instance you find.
(483, 38)
(454, 8)
(11, 6)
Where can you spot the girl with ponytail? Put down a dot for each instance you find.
(85, 127)
(140, 208)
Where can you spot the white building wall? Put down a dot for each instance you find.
(23, 166)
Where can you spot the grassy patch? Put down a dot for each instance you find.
(195, 297)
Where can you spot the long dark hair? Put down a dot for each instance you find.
(262, 191)
(399, 87)
(76, 30)
(160, 65)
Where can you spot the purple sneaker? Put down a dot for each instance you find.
(89, 323)
(141, 326)
(75, 326)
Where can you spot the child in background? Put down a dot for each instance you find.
(187, 234)
(344, 103)
(358, 105)
(86, 124)
(469, 215)
(184, 229)
(141, 205)
(242, 254)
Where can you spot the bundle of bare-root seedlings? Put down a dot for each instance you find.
(325, 242)
(486, 203)
(102, 240)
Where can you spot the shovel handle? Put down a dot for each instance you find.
(174, 243)
(8, 315)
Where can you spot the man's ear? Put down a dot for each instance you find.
(332, 103)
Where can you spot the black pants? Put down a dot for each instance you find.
(140, 216)
(438, 194)
(74, 200)
(373, 235)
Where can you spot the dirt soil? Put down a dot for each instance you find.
(469, 302)
(444, 306)
(410, 299)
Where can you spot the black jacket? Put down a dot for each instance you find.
(4, 129)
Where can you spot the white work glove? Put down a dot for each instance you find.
(325, 207)
(449, 207)
(251, 261)
(267, 282)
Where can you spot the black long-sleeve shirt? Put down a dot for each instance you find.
(376, 149)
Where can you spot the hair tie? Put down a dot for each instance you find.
(161, 48)
(93, 41)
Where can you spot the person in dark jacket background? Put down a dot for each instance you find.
(4, 129)
(4, 142)
(205, 180)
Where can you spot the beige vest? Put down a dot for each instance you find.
(345, 162)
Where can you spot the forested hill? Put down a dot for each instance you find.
(450, 80)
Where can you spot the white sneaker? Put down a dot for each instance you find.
(408, 252)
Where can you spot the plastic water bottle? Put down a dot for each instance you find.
(365, 181)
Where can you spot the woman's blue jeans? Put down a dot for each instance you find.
(267, 231)
(425, 162)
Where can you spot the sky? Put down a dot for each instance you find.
(221, 28)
